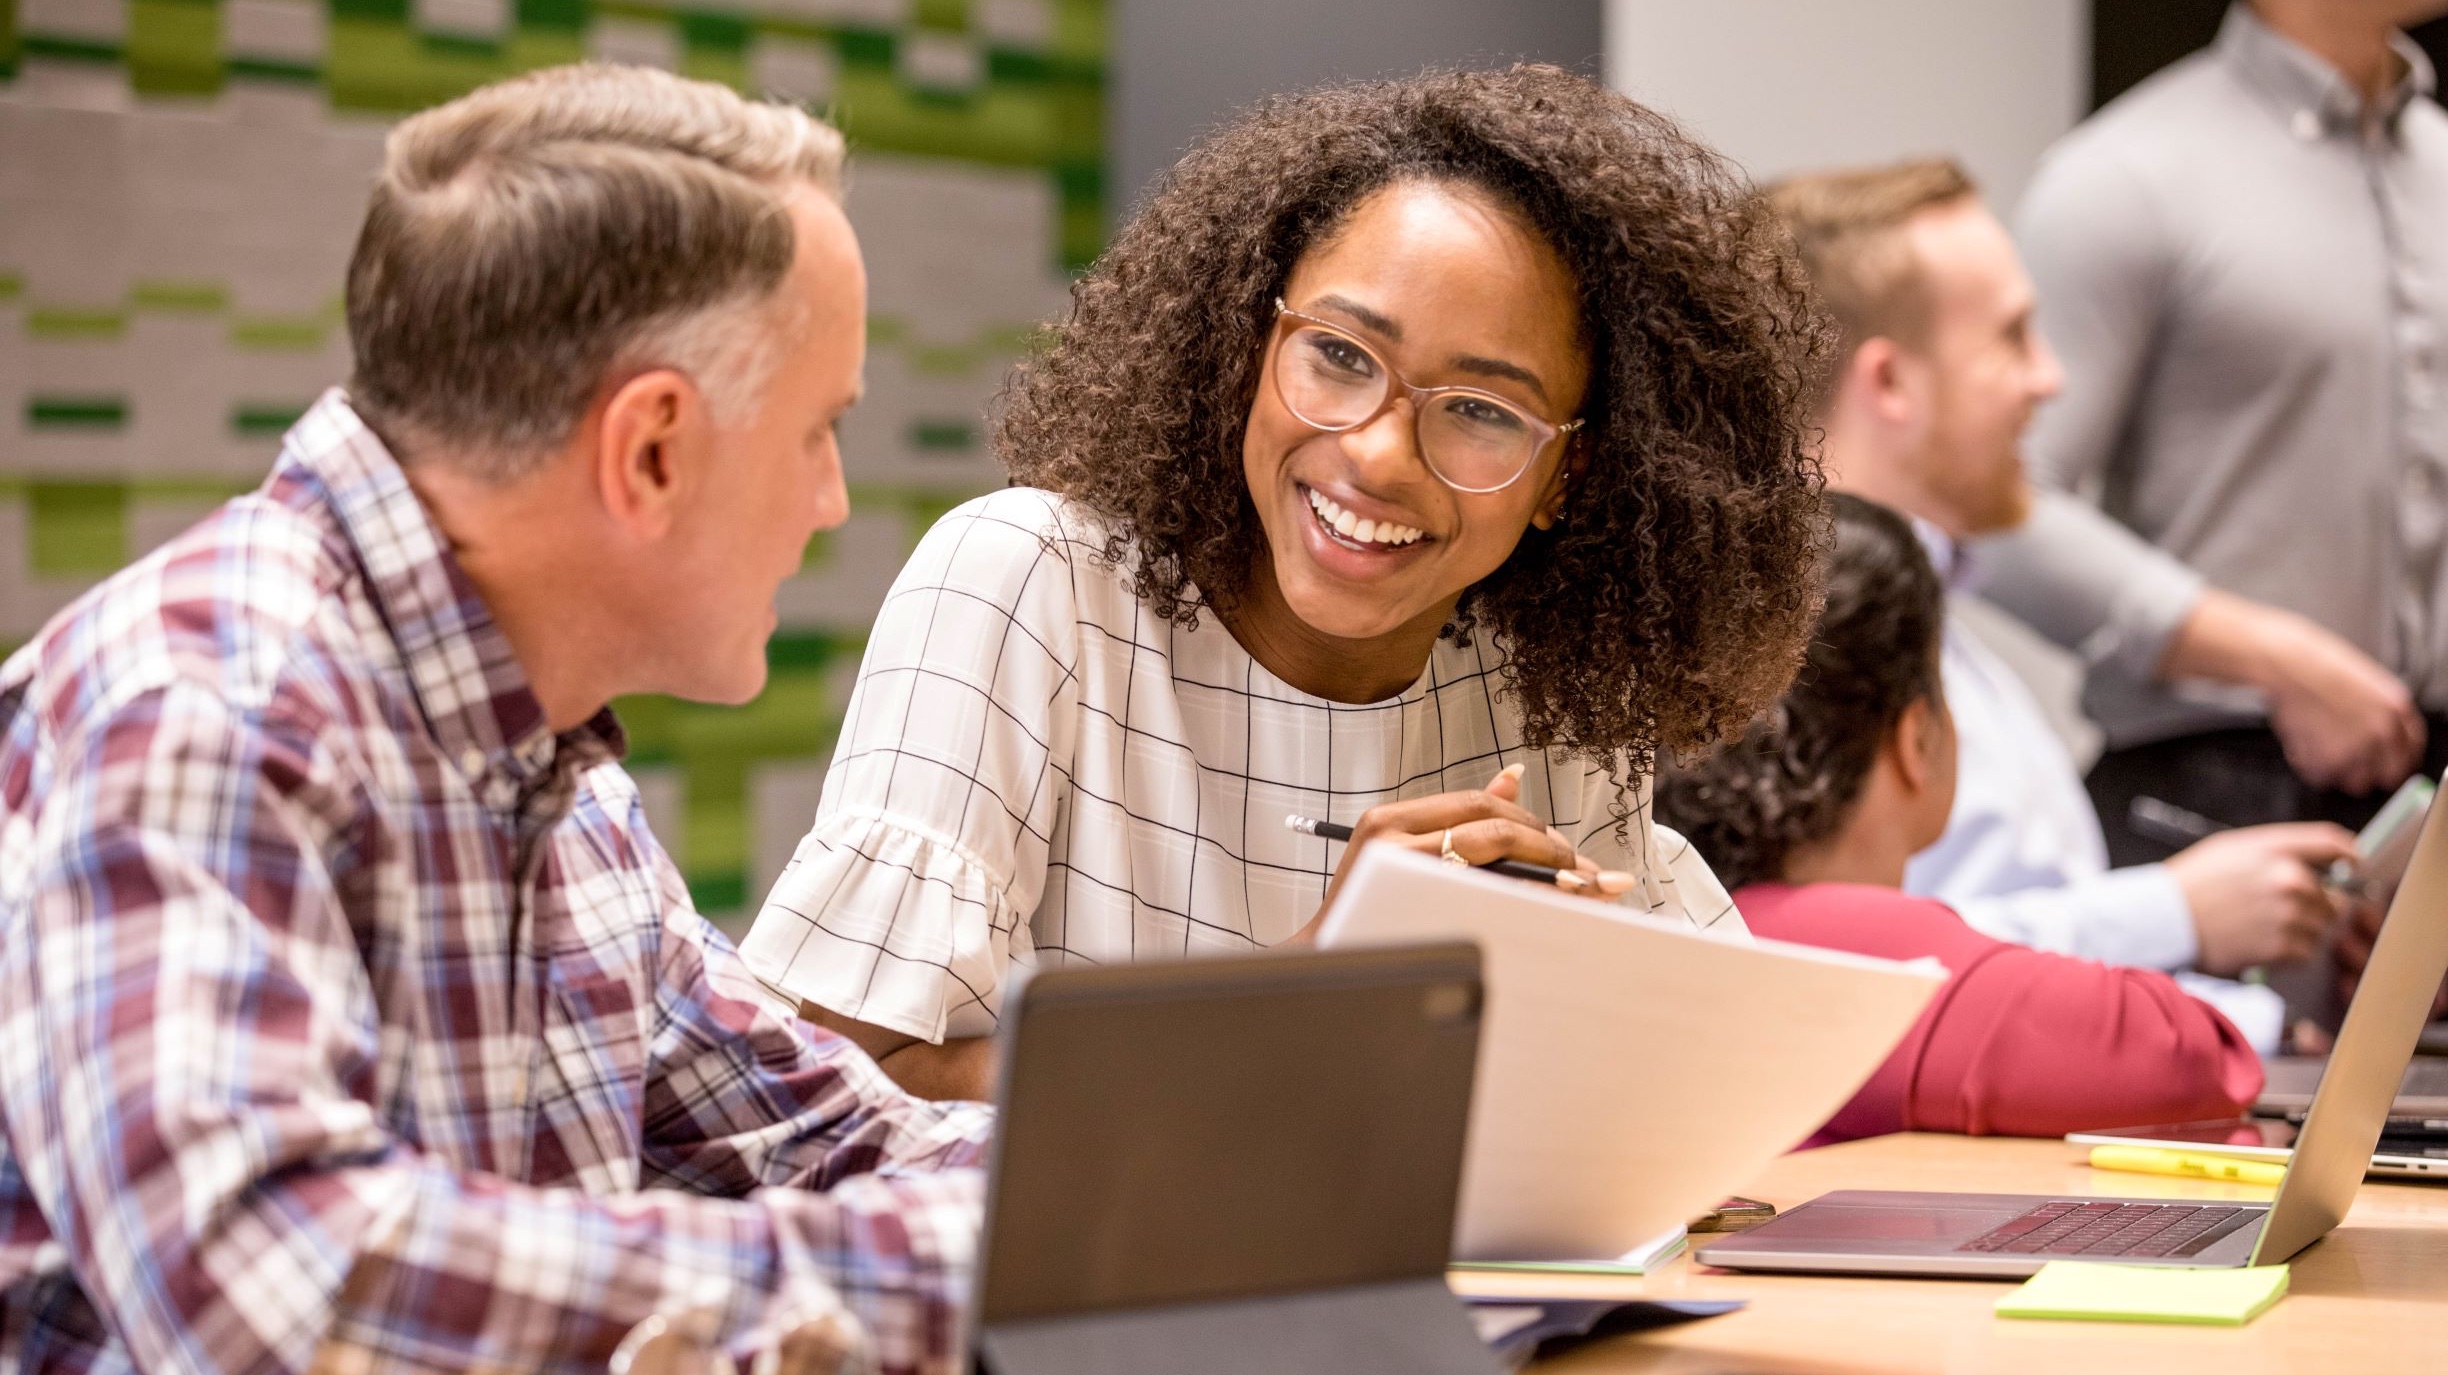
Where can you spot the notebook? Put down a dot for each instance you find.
(1640, 1260)
(1726, 1053)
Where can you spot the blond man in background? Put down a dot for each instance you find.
(352, 1016)
(1941, 371)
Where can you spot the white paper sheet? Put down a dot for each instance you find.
(1632, 1072)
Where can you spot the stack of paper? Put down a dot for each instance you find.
(1632, 1071)
(1640, 1260)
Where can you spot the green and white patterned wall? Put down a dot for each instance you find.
(180, 182)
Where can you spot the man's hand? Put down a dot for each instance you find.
(2256, 893)
(2345, 721)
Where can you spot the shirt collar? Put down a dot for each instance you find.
(2309, 93)
(1957, 565)
(475, 697)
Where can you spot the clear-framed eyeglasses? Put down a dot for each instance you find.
(1473, 440)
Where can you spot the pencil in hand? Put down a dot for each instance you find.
(1566, 879)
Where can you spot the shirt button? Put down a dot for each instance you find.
(2307, 125)
(471, 761)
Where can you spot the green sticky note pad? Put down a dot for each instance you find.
(2141, 1293)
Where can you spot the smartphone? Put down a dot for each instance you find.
(2385, 845)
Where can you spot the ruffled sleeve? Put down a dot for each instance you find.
(910, 897)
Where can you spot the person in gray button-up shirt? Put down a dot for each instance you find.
(2244, 264)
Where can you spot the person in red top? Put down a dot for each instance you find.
(1809, 817)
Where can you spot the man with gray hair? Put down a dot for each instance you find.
(350, 1016)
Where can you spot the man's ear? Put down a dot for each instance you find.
(1902, 386)
(1878, 376)
(645, 450)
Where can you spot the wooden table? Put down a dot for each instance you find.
(2372, 1296)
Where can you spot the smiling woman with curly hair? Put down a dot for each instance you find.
(1424, 456)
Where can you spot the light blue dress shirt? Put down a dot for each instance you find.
(2023, 858)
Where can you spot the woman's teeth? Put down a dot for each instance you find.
(1358, 529)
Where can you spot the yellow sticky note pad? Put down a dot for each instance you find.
(2142, 1293)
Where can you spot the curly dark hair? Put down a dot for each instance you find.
(1793, 776)
(1673, 599)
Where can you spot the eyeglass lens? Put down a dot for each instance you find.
(1334, 382)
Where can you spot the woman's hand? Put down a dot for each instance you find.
(1481, 826)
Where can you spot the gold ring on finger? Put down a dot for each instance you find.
(1447, 852)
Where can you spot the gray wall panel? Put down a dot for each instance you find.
(1180, 66)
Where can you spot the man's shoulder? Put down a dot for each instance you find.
(2424, 128)
(610, 804)
(2173, 100)
(609, 810)
(2159, 128)
(232, 606)
(1973, 661)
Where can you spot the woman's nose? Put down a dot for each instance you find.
(1387, 447)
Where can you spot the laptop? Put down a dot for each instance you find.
(2003, 1236)
(1233, 1167)
(2286, 1090)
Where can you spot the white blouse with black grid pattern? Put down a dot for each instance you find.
(1036, 769)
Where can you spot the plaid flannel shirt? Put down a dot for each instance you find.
(350, 1018)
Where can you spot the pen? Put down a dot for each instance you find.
(2192, 1164)
(1512, 868)
(2179, 827)
(2168, 823)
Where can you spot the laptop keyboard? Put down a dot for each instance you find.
(2065, 1227)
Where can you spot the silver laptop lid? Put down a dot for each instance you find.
(2373, 1047)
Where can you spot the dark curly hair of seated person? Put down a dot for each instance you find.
(1673, 600)
(1792, 777)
